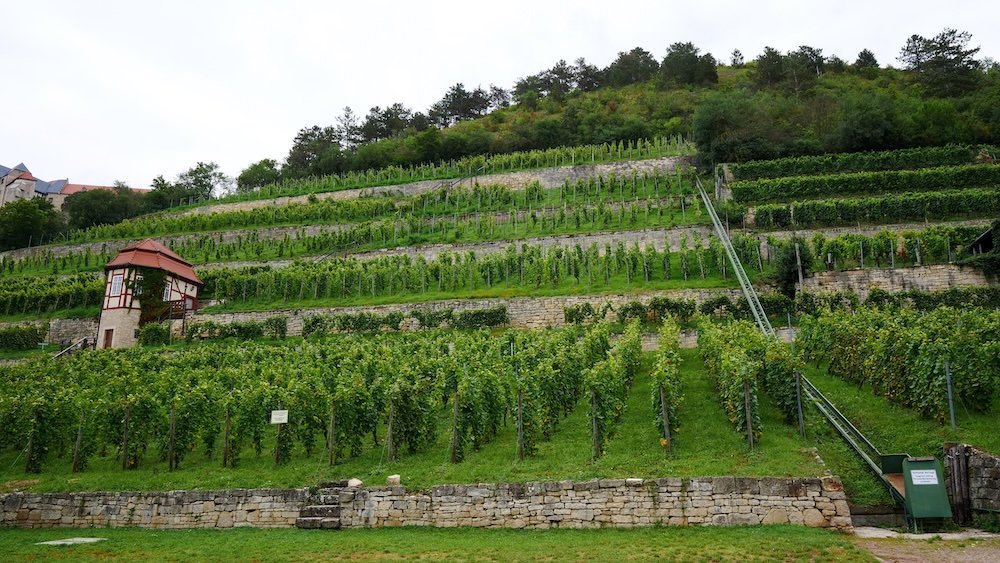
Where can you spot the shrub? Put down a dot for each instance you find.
(480, 318)
(21, 337)
(154, 334)
(276, 327)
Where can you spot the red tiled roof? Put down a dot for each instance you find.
(151, 254)
(26, 176)
(70, 189)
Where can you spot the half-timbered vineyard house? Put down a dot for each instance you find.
(122, 313)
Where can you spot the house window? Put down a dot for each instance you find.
(166, 292)
(116, 284)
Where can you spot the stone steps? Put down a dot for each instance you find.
(317, 523)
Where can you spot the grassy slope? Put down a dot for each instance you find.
(763, 543)
(893, 429)
(705, 445)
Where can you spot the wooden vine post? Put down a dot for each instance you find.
(128, 414)
(77, 466)
(520, 424)
(746, 402)
(390, 446)
(171, 454)
(595, 433)
(454, 429)
(665, 416)
(227, 446)
(331, 441)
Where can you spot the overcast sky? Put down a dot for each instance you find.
(126, 90)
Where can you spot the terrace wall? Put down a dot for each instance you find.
(524, 312)
(611, 503)
(924, 278)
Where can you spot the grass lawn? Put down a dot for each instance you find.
(705, 445)
(762, 543)
(893, 429)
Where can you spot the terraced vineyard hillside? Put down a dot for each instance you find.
(474, 255)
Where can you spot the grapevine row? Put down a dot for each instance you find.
(902, 159)
(868, 183)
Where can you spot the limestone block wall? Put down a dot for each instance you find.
(924, 278)
(68, 331)
(524, 312)
(984, 480)
(611, 503)
(258, 508)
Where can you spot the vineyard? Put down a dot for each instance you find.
(481, 165)
(468, 398)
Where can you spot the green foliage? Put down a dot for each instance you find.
(898, 207)
(29, 221)
(666, 392)
(154, 334)
(26, 337)
(736, 355)
(904, 355)
(867, 183)
(726, 353)
(481, 318)
(607, 383)
(787, 264)
(842, 163)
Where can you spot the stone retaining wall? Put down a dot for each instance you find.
(923, 278)
(984, 480)
(611, 503)
(524, 312)
(258, 508)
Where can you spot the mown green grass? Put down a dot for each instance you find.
(761, 543)
(705, 445)
(892, 429)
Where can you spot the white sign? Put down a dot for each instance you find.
(279, 417)
(924, 477)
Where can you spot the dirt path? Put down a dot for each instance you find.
(943, 551)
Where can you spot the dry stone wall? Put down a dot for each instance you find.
(984, 480)
(524, 312)
(258, 508)
(605, 503)
(923, 278)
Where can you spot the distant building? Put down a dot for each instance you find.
(18, 183)
(120, 314)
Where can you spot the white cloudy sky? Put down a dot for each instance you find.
(125, 90)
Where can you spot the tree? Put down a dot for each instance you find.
(866, 59)
(258, 174)
(943, 63)
(587, 76)
(347, 133)
(684, 66)
(736, 59)
(204, 180)
(29, 221)
(802, 67)
(770, 67)
(316, 150)
(102, 207)
(637, 65)
(786, 269)
(498, 97)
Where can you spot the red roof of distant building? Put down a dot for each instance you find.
(151, 254)
(70, 189)
(26, 176)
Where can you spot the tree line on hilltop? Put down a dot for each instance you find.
(778, 104)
